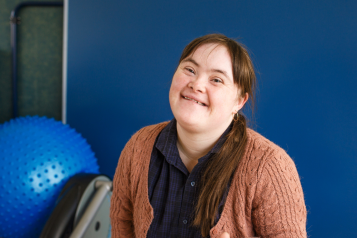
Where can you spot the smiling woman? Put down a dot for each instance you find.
(203, 94)
(205, 174)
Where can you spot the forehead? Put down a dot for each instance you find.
(213, 56)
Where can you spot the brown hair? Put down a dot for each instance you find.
(222, 165)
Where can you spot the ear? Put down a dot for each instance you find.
(240, 102)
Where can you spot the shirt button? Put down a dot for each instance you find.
(185, 222)
(193, 184)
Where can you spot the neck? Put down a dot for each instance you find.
(194, 145)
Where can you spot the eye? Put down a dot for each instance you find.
(190, 70)
(217, 80)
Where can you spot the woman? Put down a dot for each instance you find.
(205, 173)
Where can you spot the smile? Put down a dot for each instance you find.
(199, 103)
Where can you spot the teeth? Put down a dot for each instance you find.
(194, 101)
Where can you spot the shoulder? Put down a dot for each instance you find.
(141, 142)
(261, 143)
(262, 154)
(146, 134)
(138, 149)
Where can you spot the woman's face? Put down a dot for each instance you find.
(203, 96)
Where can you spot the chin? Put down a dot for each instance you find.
(189, 123)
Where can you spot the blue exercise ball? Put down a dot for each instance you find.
(37, 157)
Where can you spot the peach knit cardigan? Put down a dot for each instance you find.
(265, 198)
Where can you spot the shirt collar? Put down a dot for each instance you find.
(166, 142)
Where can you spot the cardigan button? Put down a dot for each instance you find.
(214, 232)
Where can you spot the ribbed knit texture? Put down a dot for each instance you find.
(265, 198)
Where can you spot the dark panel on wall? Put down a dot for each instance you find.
(39, 61)
(122, 56)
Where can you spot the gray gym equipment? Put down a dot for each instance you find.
(82, 209)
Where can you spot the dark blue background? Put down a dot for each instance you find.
(122, 56)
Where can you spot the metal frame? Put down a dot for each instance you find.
(64, 62)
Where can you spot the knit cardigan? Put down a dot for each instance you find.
(265, 198)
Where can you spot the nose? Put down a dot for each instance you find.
(197, 85)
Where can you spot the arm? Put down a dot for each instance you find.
(121, 207)
(278, 206)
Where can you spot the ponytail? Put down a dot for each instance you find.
(217, 175)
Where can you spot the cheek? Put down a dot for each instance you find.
(177, 84)
(222, 100)
(174, 90)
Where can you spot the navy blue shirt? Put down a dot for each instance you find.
(173, 191)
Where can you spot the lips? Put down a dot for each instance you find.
(194, 100)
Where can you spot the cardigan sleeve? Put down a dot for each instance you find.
(121, 207)
(278, 207)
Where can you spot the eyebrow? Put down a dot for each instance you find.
(221, 71)
(190, 60)
(213, 70)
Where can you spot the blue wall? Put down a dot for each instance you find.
(122, 56)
